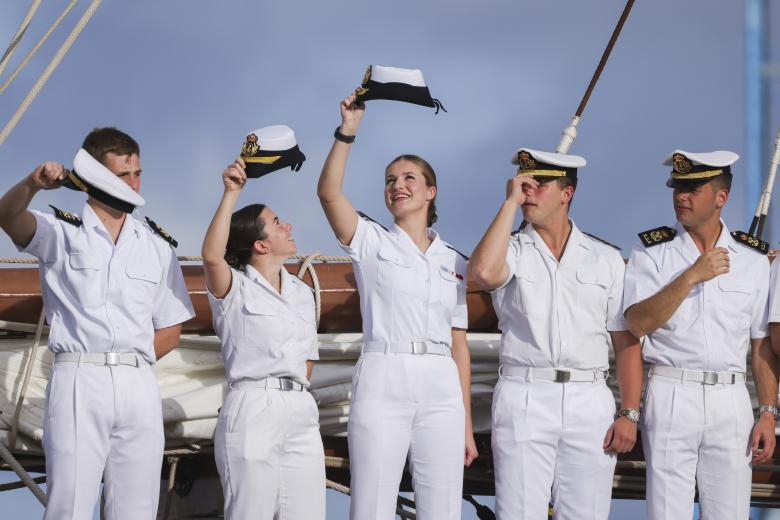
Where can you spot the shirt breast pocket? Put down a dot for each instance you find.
(265, 327)
(450, 285)
(738, 295)
(396, 271)
(592, 286)
(143, 281)
(526, 290)
(85, 278)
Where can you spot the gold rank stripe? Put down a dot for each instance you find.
(262, 160)
(542, 173)
(75, 180)
(697, 175)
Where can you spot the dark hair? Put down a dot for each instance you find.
(430, 180)
(722, 181)
(565, 182)
(246, 227)
(101, 141)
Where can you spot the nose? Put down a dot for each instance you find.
(289, 226)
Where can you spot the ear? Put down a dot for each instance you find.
(430, 192)
(721, 198)
(566, 194)
(260, 247)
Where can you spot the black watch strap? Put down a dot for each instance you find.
(349, 139)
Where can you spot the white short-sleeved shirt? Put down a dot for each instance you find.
(265, 333)
(712, 328)
(405, 294)
(774, 293)
(104, 297)
(559, 313)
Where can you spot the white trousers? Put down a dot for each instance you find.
(696, 434)
(406, 404)
(102, 421)
(549, 437)
(269, 455)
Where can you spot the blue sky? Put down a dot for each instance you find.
(189, 78)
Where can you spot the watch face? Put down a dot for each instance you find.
(633, 415)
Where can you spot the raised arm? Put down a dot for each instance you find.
(15, 220)
(342, 216)
(488, 261)
(646, 316)
(216, 269)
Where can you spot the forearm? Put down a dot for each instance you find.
(646, 316)
(765, 368)
(462, 358)
(215, 241)
(166, 340)
(488, 261)
(15, 220)
(331, 183)
(628, 360)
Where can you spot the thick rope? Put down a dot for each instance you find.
(399, 511)
(174, 464)
(26, 381)
(25, 477)
(320, 258)
(44, 77)
(18, 35)
(38, 45)
(307, 266)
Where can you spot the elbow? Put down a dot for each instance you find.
(635, 325)
(484, 276)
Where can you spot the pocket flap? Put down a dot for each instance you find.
(592, 274)
(259, 307)
(82, 260)
(144, 271)
(451, 276)
(734, 284)
(393, 255)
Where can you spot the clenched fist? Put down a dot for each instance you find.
(709, 265)
(48, 175)
(517, 188)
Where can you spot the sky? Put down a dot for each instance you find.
(189, 79)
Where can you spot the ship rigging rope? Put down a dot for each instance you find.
(19, 33)
(319, 257)
(27, 373)
(25, 477)
(399, 511)
(44, 77)
(315, 282)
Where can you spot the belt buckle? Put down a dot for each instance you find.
(710, 378)
(285, 384)
(419, 347)
(112, 358)
(562, 376)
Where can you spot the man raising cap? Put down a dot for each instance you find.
(558, 295)
(699, 296)
(115, 298)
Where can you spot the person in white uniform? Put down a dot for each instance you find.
(558, 295)
(267, 444)
(698, 294)
(115, 298)
(411, 387)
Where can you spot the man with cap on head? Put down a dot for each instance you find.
(115, 298)
(558, 295)
(699, 296)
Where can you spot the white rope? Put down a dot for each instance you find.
(26, 381)
(320, 258)
(55, 61)
(18, 35)
(307, 266)
(25, 477)
(38, 45)
(399, 511)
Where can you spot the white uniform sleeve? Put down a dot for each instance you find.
(759, 326)
(221, 305)
(314, 352)
(172, 305)
(43, 245)
(365, 241)
(642, 278)
(615, 319)
(774, 294)
(460, 315)
(512, 252)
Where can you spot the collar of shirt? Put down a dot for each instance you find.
(91, 221)
(288, 282)
(406, 242)
(684, 242)
(577, 242)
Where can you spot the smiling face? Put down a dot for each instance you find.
(278, 239)
(699, 205)
(126, 167)
(547, 201)
(407, 191)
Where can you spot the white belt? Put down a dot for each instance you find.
(408, 347)
(556, 375)
(698, 376)
(284, 384)
(102, 358)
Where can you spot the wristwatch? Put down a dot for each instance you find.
(768, 408)
(632, 414)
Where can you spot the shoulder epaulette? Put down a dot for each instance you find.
(599, 239)
(521, 227)
(461, 254)
(160, 231)
(659, 235)
(750, 241)
(366, 217)
(65, 216)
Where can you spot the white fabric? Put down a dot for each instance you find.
(413, 77)
(102, 421)
(106, 297)
(269, 456)
(697, 435)
(405, 403)
(774, 293)
(407, 295)
(559, 314)
(265, 333)
(554, 158)
(550, 436)
(275, 137)
(712, 327)
(94, 173)
(717, 159)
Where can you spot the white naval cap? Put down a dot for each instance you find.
(398, 84)
(698, 167)
(380, 74)
(92, 177)
(269, 149)
(538, 163)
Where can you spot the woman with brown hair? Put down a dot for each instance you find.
(411, 387)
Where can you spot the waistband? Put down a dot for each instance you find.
(698, 376)
(285, 384)
(408, 347)
(555, 375)
(102, 358)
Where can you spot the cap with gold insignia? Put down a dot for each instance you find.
(541, 164)
(690, 169)
(396, 84)
(92, 177)
(271, 148)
